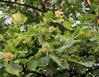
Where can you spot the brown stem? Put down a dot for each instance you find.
(33, 7)
(25, 72)
(88, 2)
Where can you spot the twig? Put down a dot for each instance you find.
(29, 6)
(24, 68)
(25, 71)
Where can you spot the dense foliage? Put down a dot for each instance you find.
(49, 38)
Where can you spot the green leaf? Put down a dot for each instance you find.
(10, 45)
(66, 65)
(27, 38)
(12, 68)
(1, 55)
(56, 59)
(67, 25)
(23, 61)
(33, 63)
(94, 7)
(19, 18)
(69, 43)
(43, 61)
(48, 16)
(88, 63)
(32, 30)
(12, 30)
(1, 65)
(1, 37)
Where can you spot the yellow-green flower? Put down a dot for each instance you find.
(58, 13)
(46, 48)
(8, 56)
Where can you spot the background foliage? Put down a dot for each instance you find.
(49, 38)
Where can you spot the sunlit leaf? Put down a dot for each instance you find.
(48, 16)
(12, 68)
(67, 25)
(19, 18)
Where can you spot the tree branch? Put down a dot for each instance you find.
(25, 71)
(29, 6)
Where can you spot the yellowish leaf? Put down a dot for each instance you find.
(19, 18)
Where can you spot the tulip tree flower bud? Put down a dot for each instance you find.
(8, 56)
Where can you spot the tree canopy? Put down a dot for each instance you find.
(49, 38)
